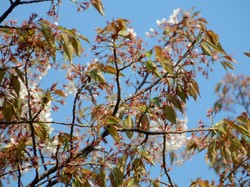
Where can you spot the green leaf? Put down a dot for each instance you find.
(227, 64)
(97, 76)
(149, 54)
(15, 83)
(113, 120)
(41, 130)
(146, 155)
(155, 101)
(8, 111)
(67, 47)
(98, 6)
(116, 177)
(205, 49)
(128, 123)
(145, 123)
(113, 131)
(170, 114)
(82, 37)
(152, 67)
(19, 73)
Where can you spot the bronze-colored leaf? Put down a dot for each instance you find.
(98, 6)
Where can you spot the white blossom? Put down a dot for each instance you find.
(173, 19)
(132, 32)
(161, 22)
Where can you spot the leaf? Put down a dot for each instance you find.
(19, 73)
(149, 54)
(211, 153)
(116, 177)
(7, 111)
(155, 101)
(145, 123)
(2, 73)
(170, 114)
(67, 47)
(227, 64)
(152, 67)
(97, 76)
(128, 123)
(239, 128)
(98, 6)
(59, 93)
(113, 120)
(175, 101)
(212, 36)
(111, 70)
(113, 131)
(146, 155)
(15, 84)
(41, 130)
(196, 87)
(82, 37)
(205, 49)
(247, 54)
(76, 44)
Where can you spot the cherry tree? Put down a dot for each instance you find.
(127, 102)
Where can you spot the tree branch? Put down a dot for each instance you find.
(156, 133)
(9, 10)
(164, 161)
(15, 4)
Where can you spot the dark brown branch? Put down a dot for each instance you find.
(9, 10)
(30, 114)
(166, 132)
(47, 122)
(14, 4)
(164, 161)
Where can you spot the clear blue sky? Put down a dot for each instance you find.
(228, 18)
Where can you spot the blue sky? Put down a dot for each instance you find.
(228, 18)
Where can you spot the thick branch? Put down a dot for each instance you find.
(15, 4)
(9, 10)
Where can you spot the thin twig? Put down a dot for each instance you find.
(156, 133)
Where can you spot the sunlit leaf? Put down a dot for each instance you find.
(128, 123)
(111, 70)
(205, 49)
(212, 36)
(114, 133)
(98, 6)
(113, 120)
(146, 155)
(240, 128)
(60, 93)
(67, 47)
(227, 64)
